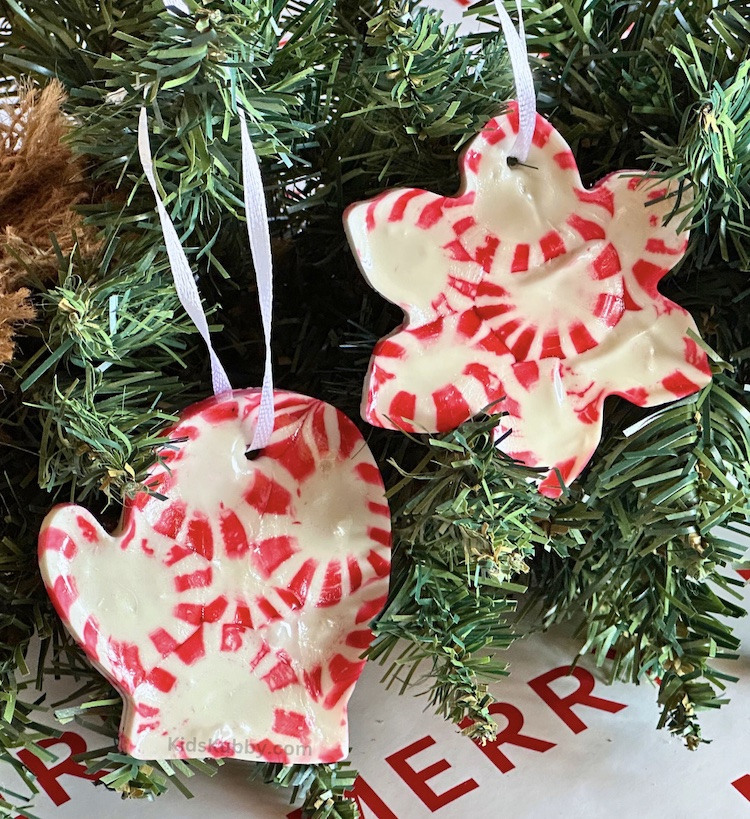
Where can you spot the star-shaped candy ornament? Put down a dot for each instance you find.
(530, 288)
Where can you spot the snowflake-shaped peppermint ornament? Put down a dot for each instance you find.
(232, 615)
(525, 286)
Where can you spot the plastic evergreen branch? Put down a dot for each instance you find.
(663, 502)
(471, 527)
(321, 788)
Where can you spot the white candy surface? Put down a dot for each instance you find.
(232, 615)
(529, 288)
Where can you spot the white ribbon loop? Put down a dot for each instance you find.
(256, 217)
(519, 60)
(187, 289)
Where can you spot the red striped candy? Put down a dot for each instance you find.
(232, 613)
(525, 266)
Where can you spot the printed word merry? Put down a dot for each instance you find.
(419, 780)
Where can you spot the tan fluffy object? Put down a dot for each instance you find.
(40, 181)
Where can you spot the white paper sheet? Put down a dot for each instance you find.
(613, 764)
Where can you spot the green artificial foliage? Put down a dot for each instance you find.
(468, 524)
(321, 788)
(345, 99)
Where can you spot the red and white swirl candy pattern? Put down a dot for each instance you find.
(232, 614)
(526, 286)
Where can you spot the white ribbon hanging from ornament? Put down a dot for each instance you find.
(524, 82)
(256, 216)
(187, 289)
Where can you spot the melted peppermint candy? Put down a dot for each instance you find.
(525, 287)
(232, 615)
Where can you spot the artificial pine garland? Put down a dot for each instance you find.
(362, 96)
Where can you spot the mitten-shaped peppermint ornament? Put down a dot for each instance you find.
(526, 287)
(232, 615)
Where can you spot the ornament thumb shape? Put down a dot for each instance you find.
(231, 606)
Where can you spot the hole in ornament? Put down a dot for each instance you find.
(514, 161)
(252, 454)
